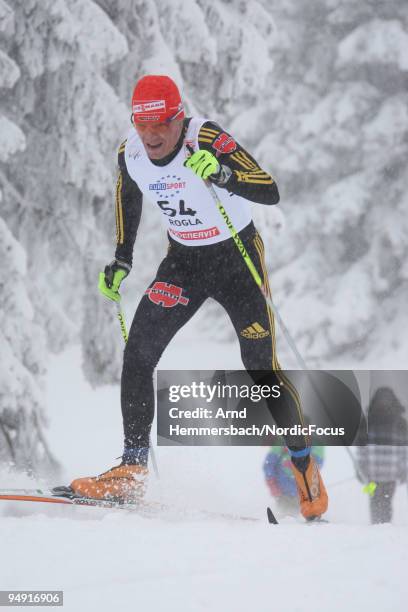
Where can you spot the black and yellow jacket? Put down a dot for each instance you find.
(245, 178)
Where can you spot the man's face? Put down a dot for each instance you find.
(159, 139)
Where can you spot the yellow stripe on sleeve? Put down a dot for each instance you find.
(250, 177)
(242, 162)
(208, 132)
(120, 234)
(251, 165)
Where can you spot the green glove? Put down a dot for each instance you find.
(203, 164)
(110, 280)
(370, 488)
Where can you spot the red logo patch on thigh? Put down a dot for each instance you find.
(166, 295)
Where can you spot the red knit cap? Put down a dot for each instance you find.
(156, 98)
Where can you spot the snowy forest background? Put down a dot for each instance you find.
(317, 91)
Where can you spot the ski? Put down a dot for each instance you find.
(146, 508)
(62, 495)
(271, 517)
(34, 495)
(311, 521)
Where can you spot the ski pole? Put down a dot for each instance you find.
(123, 328)
(258, 280)
(122, 322)
(254, 272)
(337, 483)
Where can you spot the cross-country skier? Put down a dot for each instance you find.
(382, 460)
(279, 477)
(166, 157)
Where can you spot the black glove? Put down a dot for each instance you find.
(222, 177)
(111, 273)
(111, 278)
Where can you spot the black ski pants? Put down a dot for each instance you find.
(186, 277)
(381, 503)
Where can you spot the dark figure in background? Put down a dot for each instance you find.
(383, 461)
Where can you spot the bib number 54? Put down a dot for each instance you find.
(172, 212)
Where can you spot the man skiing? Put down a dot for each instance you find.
(167, 157)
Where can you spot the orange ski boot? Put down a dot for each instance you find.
(123, 482)
(312, 494)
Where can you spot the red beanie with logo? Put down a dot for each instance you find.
(156, 98)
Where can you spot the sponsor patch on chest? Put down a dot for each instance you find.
(198, 234)
(168, 185)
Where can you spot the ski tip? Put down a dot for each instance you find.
(271, 517)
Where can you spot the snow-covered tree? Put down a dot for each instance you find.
(22, 341)
(337, 142)
(61, 119)
(22, 358)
